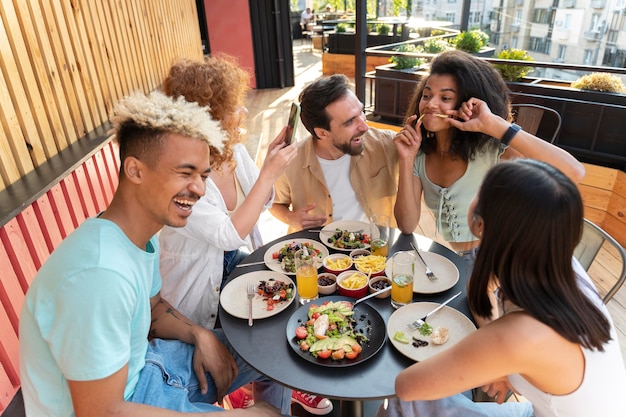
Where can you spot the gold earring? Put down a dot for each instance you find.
(430, 134)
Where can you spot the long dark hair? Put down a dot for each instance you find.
(474, 78)
(533, 220)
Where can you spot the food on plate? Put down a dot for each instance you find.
(439, 336)
(286, 253)
(338, 263)
(419, 342)
(344, 239)
(370, 263)
(399, 336)
(274, 292)
(354, 281)
(425, 329)
(329, 332)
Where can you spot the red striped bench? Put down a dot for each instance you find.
(36, 214)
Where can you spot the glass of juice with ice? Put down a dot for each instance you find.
(379, 234)
(306, 276)
(403, 270)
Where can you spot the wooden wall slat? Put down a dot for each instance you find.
(7, 389)
(70, 191)
(49, 75)
(11, 292)
(103, 176)
(58, 130)
(24, 90)
(68, 94)
(84, 192)
(19, 254)
(139, 20)
(110, 159)
(85, 61)
(9, 351)
(47, 222)
(61, 211)
(92, 176)
(33, 236)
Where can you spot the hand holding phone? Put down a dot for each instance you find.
(294, 115)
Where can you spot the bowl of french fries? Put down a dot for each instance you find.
(352, 284)
(374, 265)
(337, 263)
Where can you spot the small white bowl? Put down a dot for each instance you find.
(374, 286)
(359, 252)
(327, 289)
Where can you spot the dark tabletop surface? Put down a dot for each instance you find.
(265, 345)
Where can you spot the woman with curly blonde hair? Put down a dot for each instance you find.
(196, 258)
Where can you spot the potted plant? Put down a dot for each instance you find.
(600, 81)
(513, 72)
(474, 42)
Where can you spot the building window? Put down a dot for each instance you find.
(542, 16)
(514, 41)
(568, 21)
(518, 17)
(540, 45)
(588, 55)
(561, 56)
(450, 17)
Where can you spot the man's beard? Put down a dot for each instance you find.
(349, 149)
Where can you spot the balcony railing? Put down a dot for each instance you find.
(592, 35)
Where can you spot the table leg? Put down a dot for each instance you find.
(351, 408)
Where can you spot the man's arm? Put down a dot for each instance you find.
(210, 354)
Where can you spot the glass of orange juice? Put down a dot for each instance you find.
(306, 276)
(379, 234)
(403, 270)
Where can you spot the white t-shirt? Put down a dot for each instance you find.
(337, 175)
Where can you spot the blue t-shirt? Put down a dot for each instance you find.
(86, 314)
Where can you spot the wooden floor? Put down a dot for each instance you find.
(268, 110)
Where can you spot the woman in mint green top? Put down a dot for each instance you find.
(459, 125)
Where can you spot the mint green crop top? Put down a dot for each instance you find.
(451, 205)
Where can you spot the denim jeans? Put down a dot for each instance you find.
(168, 380)
(454, 406)
(232, 258)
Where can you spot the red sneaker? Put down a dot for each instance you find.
(239, 398)
(312, 403)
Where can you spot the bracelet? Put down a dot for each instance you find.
(509, 134)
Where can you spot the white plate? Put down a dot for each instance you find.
(349, 225)
(274, 265)
(234, 297)
(446, 272)
(457, 323)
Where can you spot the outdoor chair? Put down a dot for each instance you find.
(590, 245)
(529, 117)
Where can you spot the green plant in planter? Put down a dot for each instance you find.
(471, 42)
(406, 62)
(434, 46)
(513, 72)
(383, 29)
(341, 28)
(600, 81)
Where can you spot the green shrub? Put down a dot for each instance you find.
(405, 62)
(469, 41)
(513, 72)
(341, 27)
(384, 29)
(434, 46)
(600, 81)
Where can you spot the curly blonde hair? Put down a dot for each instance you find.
(217, 82)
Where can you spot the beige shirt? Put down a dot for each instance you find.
(373, 175)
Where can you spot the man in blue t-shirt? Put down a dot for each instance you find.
(96, 338)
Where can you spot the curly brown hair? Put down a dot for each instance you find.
(217, 82)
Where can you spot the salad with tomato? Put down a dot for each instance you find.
(285, 255)
(274, 292)
(329, 331)
(344, 239)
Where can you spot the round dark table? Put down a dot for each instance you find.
(265, 346)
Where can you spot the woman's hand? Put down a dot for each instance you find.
(409, 139)
(279, 155)
(474, 115)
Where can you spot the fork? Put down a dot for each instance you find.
(419, 322)
(430, 274)
(251, 291)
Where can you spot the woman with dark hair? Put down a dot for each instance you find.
(458, 126)
(554, 341)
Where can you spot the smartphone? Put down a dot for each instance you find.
(292, 123)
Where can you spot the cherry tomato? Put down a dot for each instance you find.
(315, 315)
(304, 346)
(357, 349)
(270, 307)
(324, 354)
(339, 354)
(282, 294)
(301, 332)
(275, 255)
(351, 355)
